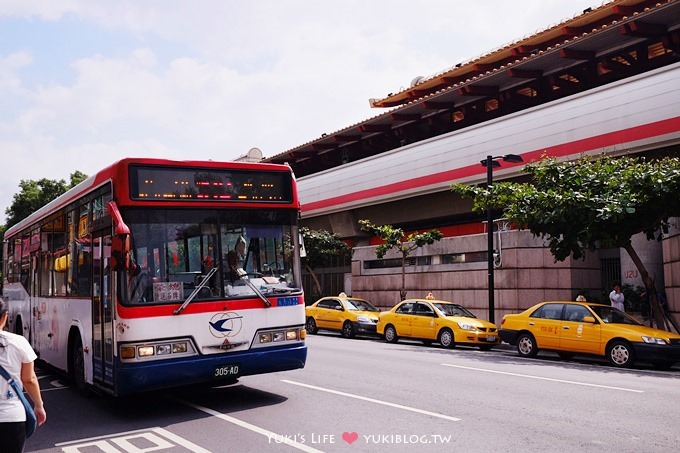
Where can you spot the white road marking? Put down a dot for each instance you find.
(372, 400)
(54, 388)
(180, 440)
(528, 376)
(280, 439)
(122, 440)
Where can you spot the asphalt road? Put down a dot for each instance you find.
(365, 395)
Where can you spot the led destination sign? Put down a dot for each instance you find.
(182, 184)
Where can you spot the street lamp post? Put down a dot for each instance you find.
(489, 163)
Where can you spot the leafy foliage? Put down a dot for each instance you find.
(321, 247)
(589, 203)
(35, 194)
(586, 203)
(393, 238)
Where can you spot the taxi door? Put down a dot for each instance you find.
(329, 314)
(545, 324)
(577, 335)
(403, 319)
(423, 322)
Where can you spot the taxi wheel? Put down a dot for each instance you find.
(391, 334)
(526, 345)
(348, 330)
(310, 326)
(620, 354)
(446, 338)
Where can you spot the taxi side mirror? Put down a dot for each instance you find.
(339, 308)
(589, 319)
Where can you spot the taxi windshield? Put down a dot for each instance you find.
(453, 310)
(611, 315)
(359, 305)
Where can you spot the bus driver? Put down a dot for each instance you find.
(236, 259)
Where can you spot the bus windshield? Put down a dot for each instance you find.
(175, 250)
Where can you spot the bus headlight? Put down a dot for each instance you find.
(145, 351)
(156, 350)
(163, 349)
(279, 336)
(179, 348)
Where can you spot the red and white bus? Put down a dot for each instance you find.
(131, 281)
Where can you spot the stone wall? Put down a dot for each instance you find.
(528, 274)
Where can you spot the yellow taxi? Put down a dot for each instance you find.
(571, 328)
(431, 320)
(348, 315)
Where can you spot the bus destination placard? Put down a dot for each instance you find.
(187, 184)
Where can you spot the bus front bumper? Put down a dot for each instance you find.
(206, 369)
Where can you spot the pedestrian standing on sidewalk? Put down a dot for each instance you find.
(16, 357)
(617, 298)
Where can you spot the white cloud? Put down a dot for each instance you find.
(10, 79)
(210, 79)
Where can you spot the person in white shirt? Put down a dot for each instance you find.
(16, 357)
(617, 298)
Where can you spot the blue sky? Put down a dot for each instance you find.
(86, 82)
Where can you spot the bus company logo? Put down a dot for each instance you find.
(227, 324)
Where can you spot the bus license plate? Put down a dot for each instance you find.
(226, 371)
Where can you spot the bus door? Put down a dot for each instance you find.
(102, 309)
(36, 316)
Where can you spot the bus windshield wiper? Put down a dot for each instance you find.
(196, 290)
(285, 290)
(241, 274)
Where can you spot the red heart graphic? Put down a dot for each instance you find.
(350, 438)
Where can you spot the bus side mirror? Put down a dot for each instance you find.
(120, 253)
(120, 243)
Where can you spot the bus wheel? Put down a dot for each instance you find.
(77, 370)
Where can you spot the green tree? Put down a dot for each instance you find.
(589, 203)
(320, 247)
(35, 194)
(393, 238)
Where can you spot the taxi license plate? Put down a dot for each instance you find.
(224, 371)
(491, 338)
